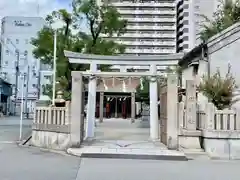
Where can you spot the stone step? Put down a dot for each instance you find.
(128, 153)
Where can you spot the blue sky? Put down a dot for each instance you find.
(30, 7)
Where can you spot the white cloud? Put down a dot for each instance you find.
(28, 7)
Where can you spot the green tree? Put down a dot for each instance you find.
(218, 89)
(142, 91)
(227, 14)
(104, 20)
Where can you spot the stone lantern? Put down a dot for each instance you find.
(59, 101)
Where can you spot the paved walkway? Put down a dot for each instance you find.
(119, 138)
(122, 129)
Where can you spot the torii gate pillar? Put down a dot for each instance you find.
(91, 105)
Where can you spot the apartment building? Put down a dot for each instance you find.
(16, 51)
(151, 28)
(190, 21)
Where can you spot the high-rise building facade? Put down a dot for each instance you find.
(16, 51)
(190, 20)
(151, 28)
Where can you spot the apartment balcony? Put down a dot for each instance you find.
(151, 12)
(147, 43)
(155, 35)
(150, 51)
(142, 35)
(156, 20)
(150, 27)
(145, 4)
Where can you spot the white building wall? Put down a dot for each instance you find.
(223, 50)
(16, 36)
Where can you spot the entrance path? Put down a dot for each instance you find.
(122, 129)
(119, 138)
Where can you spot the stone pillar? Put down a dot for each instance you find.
(172, 111)
(133, 107)
(153, 104)
(76, 110)
(101, 107)
(191, 108)
(189, 136)
(91, 106)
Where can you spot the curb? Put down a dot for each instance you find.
(134, 156)
(44, 150)
(140, 156)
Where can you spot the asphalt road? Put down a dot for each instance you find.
(25, 163)
(10, 129)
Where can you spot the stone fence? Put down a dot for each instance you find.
(216, 132)
(52, 127)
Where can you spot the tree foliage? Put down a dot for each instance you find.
(142, 90)
(218, 89)
(227, 14)
(79, 36)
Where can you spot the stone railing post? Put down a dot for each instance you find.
(189, 135)
(210, 113)
(191, 103)
(181, 115)
(50, 119)
(67, 113)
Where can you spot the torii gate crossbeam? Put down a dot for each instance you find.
(151, 61)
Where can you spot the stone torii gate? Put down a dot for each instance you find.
(95, 60)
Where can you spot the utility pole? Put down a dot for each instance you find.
(26, 92)
(54, 67)
(16, 79)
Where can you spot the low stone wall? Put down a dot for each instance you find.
(222, 145)
(51, 140)
(51, 128)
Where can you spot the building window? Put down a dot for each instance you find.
(17, 41)
(34, 85)
(7, 52)
(47, 77)
(195, 70)
(8, 41)
(6, 62)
